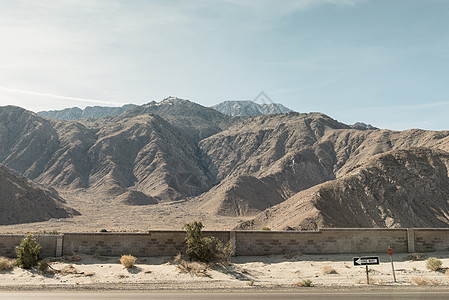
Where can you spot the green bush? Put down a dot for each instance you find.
(28, 252)
(205, 249)
(265, 228)
(433, 264)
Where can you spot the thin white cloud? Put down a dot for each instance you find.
(86, 100)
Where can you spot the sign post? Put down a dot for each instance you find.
(390, 254)
(365, 261)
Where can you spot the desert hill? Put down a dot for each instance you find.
(23, 202)
(400, 188)
(107, 155)
(177, 150)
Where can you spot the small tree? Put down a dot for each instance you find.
(28, 252)
(205, 249)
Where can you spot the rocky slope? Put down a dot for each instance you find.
(21, 201)
(249, 108)
(400, 188)
(76, 113)
(178, 150)
(108, 155)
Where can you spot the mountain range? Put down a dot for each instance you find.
(285, 171)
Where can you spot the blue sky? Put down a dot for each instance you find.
(384, 62)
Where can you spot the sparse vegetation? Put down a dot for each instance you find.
(44, 266)
(423, 281)
(205, 249)
(6, 264)
(28, 252)
(69, 269)
(265, 228)
(251, 282)
(103, 230)
(433, 264)
(304, 283)
(193, 268)
(328, 270)
(128, 261)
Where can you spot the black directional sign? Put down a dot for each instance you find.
(366, 260)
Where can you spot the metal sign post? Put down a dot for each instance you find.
(366, 260)
(390, 254)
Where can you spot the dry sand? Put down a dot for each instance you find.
(271, 272)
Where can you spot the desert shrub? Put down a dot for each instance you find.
(44, 266)
(28, 252)
(69, 269)
(103, 230)
(265, 228)
(304, 283)
(423, 281)
(193, 268)
(251, 282)
(328, 270)
(128, 261)
(433, 264)
(6, 264)
(205, 249)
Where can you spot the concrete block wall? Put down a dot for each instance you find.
(429, 239)
(158, 243)
(155, 243)
(320, 242)
(8, 243)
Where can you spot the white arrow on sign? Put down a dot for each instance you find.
(359, 261)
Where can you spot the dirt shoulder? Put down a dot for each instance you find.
(328, 272)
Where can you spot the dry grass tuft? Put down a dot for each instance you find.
(304, 283)
(433, 264)
(128, 261)
(423, 281)
(69, 269)
(195, 268)
(328, 270)
(6, 264)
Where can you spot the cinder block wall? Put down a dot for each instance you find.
(320, 242)
(8, 243)
(429, 239)
(157, 243)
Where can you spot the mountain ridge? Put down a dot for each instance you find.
(178, 150)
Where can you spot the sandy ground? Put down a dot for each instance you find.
(159, 273)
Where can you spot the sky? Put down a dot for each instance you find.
(382, 62)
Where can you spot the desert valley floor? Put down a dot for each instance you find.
(103, 214)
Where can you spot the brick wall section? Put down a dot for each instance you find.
(320, 242)
(428, 240)
(8, 243)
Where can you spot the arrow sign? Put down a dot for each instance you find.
(366, 260)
